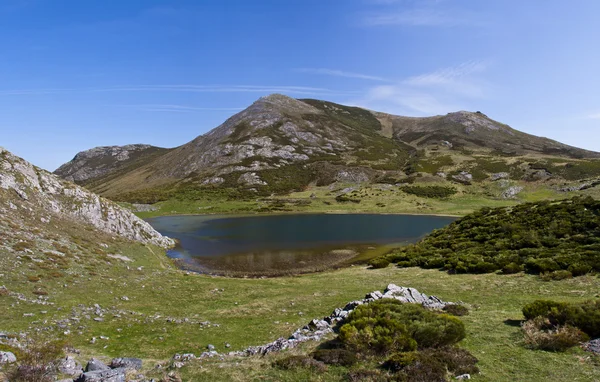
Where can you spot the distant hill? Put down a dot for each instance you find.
(279, 144)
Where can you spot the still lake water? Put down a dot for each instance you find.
(269, 244)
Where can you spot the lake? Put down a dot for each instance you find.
(269, 245)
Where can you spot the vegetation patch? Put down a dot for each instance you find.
(542, 237)
(430, 191)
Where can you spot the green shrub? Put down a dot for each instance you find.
(556, 275)
(417, 366)
(431, 364)
(541, 308)
(456, 310)
(341, 357)
(379, 262)
(584, 316)
(430, 191)
(387, 325)
(511, 268)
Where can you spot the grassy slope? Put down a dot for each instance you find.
(255, 311)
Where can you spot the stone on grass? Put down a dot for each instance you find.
(126, 363)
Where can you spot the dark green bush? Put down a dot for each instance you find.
(432, 364)
(584, 316)
(430, 191)
(387, 325)
(379, 262)
(541, 308)
(299, 361)
(456, 310)
(341, 357)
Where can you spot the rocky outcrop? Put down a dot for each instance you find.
(511, 192)
(43, 194)
(99, 161)
(463, 177)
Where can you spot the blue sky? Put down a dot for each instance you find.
(77, 74)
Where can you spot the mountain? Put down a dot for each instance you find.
(280, 144)
(39, 208)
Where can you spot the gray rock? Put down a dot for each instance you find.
(70, 366)
(7, 357)
(511, 192)
(413, 296)
(251, 179)
(463, 177)
(111, 375)
(95, 365)
(499, 175)
(463, 377)
(210, 347)
(127, 363)
(592, 346)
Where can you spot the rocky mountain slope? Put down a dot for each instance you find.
(34, 202)
(100, 161)
(280, 144)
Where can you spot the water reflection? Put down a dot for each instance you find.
(256, 245)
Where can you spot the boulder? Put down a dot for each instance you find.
(69, 366)
(111, 375)
(7, 357)
(463, 177)
(499, 175)
(592, 346)
(126, 363)
(511, 192)
(95, 365)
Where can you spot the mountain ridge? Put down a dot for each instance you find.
(280, 143)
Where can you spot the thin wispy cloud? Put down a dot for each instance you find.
(341, 73)
(261, 89)
(437, 92)
(447, 76)
(422, 14)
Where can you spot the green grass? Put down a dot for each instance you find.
(271, 308)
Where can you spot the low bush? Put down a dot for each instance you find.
(387, 325)
(340, 357)
(556, 275)
(364, 375)
(456, 310)
(541, 334)
(431, 364)
(36, 362)
(584, 316)
(439, 192)
(379, 262)
(541, 308)
(300, 361)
